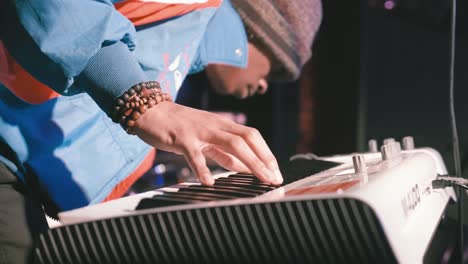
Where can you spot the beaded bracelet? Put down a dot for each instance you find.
(135, 101)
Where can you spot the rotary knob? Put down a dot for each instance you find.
(388, 141)
(391, 150)
(372, 143)
(359, 164)
(408, 143)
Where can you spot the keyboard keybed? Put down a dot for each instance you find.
(231, 187)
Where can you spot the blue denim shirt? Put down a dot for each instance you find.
(70, 44)
(76, 151)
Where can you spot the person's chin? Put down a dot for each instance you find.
(221, 90)
(238, 93)
(241, 94)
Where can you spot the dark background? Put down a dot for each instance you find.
(375, 73)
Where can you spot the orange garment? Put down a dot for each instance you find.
(145, 12)
(125, 185)
(20, 82)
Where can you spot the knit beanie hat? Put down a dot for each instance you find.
(284, 30)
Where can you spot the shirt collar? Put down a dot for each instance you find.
(225, 40)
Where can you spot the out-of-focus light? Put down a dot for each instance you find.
(389, 4)
(160, 169)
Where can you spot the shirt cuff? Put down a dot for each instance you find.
(110, 72)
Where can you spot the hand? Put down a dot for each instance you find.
(199, 135)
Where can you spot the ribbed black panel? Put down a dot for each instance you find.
(319, 231)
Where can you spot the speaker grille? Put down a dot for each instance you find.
(322, 231)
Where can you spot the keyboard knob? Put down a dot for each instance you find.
(388, 141)
(397, 148)
(408, 143)
(359, 163)
(373, 145)
(391, 150)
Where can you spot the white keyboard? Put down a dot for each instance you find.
(375, 206)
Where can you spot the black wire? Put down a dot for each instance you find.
(456, 150)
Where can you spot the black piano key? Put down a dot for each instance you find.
(159, 201)
(232, 188)
(291, 170)
(198, 186)
(228, 190)
(194, 197)
(213, 195)
(245, 185)
(252, 178)
(244, 176)
(204, 189)
(243, 181)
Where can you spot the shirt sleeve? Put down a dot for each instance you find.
(64, 42)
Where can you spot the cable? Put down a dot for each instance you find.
(449, 181)
(456, 150)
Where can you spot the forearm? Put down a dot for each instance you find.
(64, 42)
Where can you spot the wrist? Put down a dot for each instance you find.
(133, 103)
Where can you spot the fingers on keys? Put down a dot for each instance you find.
(255, 141)
(234, 147)
(252, 151)
(225, 160)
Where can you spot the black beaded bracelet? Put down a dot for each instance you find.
(135, 101)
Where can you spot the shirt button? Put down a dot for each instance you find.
(238, 52)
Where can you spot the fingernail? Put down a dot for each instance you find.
(268, 175)
(207, 180)
(278, 178)
(276, 174)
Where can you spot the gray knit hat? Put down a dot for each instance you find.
(284, 30)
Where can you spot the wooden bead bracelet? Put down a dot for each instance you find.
(135, 101)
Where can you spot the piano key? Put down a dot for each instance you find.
(213, 195)
(243, 181)
(241, 177)
(232, 188)
(237, 193)
(197, 197)
(244, 176)
(200, 186)
(291, 170)
(160, 201)
(245, 185)
(221, 188)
